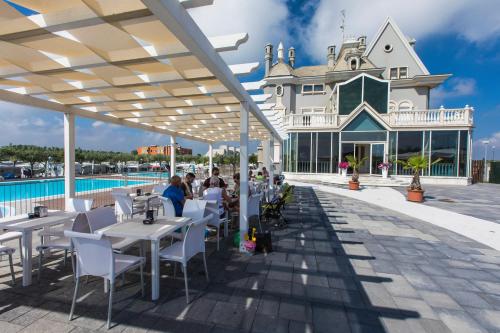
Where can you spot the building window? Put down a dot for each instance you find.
(279, 90)
(399, 73)
(405, 106)
(311, 89)
(392, 106)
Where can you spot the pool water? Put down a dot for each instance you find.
(162, 175)
(29, 189)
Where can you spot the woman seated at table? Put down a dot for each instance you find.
(234, 204)
(214, 192)
(175, 194)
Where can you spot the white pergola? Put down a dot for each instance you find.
(138, 63)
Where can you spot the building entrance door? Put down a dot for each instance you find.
(363, 151)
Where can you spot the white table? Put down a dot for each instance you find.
(135, 229)
(26, 225)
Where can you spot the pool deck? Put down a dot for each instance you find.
(341, 265)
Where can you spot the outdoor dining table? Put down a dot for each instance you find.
(154, 233)
(26, 225)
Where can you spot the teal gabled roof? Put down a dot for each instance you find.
(364, 122)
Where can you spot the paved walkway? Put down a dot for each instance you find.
(341, 265)
(478, 200)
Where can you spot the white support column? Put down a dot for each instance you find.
(172, 156)
(210, 159)
(69, 157)
(271, 161)
(243, 174)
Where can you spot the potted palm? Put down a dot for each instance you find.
(416, 164)
(355, 164)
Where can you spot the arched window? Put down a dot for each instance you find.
(354, 63)
(392, 106)
(405, 105)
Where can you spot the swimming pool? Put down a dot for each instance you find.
(149, 174)
(29, 189)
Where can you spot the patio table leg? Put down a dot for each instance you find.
(155, 270)
(27, 239)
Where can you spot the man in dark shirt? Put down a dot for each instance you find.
(175, 194)
(187, 185)
(215, 172)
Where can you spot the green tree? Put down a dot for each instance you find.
(253, 159)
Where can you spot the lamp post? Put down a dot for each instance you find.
(485, 143)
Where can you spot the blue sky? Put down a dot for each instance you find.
(456, 37)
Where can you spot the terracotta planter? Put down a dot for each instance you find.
(353, 185)
(415, 196)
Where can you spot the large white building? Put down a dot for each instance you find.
(369, 101)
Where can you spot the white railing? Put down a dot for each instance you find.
(310, 120)
(436, 117)
(411, 118)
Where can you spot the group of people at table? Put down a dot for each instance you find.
(213, 188)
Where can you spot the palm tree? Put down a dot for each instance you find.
(416, 164)
(355, 164)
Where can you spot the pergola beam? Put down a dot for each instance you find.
(27, 100)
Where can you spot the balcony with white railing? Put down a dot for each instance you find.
(398, 119)
(432, 118)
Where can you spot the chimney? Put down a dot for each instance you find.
(269, 58)
(362, 43)
(291, 57)
(331, 56)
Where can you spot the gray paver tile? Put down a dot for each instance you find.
(47, 326)
(459, 321)
(439, 300)
(419, 306)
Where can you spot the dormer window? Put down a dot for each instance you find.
(399, 73)
(354, 63)
(312, 89)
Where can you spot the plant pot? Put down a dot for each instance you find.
(353, 185)
(415, 196)
(385, 173)
(344, 173)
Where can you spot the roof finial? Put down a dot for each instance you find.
(281, 52)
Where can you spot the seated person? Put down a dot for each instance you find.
(187, 185)
(175, 194)
(215, 173)
(259, 177)
(250, 175)
(214, 192)
(265, 173)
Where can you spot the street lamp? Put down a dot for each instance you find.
(485, 143)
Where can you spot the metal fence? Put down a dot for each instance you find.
(22, 195)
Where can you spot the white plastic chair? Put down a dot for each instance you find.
(215, 207)
(159, 189)
(9, 251)
(12, 235)
(194, 209)
(193, 243)
(124, 205)
(95, 257)
(168, 207)
(80, 224)
(74, 205)
(254, 205)
(104, 217)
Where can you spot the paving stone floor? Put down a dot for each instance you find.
(340, 266)
(479, 200)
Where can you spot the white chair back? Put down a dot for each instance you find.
(79, 205)
(194, 241)
(168, 207)
(100, 218)
(123, 203)
(254, 205)
(94, 254)
(195, 209)
(214, 194)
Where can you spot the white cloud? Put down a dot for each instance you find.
(455, 87)
(263, 20)
(97, 124)
(475, 21)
